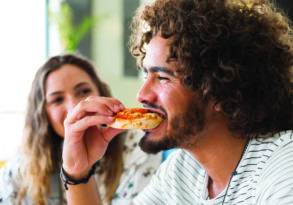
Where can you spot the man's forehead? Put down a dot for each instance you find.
(157, 56)
(158, 46)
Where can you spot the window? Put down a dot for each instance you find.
(23, 50)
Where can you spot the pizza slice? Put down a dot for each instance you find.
(136, 118)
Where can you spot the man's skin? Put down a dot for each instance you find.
(85, 142)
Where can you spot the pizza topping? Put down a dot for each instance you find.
(137, 118)
(132, 113)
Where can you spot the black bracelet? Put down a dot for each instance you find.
(68, 180)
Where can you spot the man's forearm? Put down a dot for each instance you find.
(83, 194)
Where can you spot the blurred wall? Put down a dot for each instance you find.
(109, 42)
(107, 50)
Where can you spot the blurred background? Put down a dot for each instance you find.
(33, 30)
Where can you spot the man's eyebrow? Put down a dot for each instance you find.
(156, 69)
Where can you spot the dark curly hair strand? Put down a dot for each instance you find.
(237, 53)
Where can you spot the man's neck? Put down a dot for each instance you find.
(218, 152)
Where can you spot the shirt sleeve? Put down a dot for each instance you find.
(278, 178)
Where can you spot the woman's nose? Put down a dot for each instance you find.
(71, 103)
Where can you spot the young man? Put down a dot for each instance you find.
(220, 73)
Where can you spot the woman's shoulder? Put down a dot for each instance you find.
(12, 168)
(139, 167)
(132, 153)
(10, 178)
(132, 138)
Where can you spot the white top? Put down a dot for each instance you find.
(264, 177)
(138, 170)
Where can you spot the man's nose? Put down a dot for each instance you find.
(147, 93)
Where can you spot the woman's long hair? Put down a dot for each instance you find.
(42, 146)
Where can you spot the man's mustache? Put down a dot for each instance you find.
(154, 106)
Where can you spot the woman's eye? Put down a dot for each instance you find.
(57, 100)
(85, 91)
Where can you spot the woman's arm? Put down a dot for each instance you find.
(85, 142)
(83, 194)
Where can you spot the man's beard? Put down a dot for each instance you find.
(184, 128)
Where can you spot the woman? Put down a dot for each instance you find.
(33, 178)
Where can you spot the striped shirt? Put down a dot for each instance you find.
(264, 177)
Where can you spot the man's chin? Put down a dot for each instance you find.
(150, 143)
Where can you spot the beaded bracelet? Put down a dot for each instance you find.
(68, 180)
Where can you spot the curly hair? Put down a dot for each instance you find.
(42, 147)
(236, 53)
